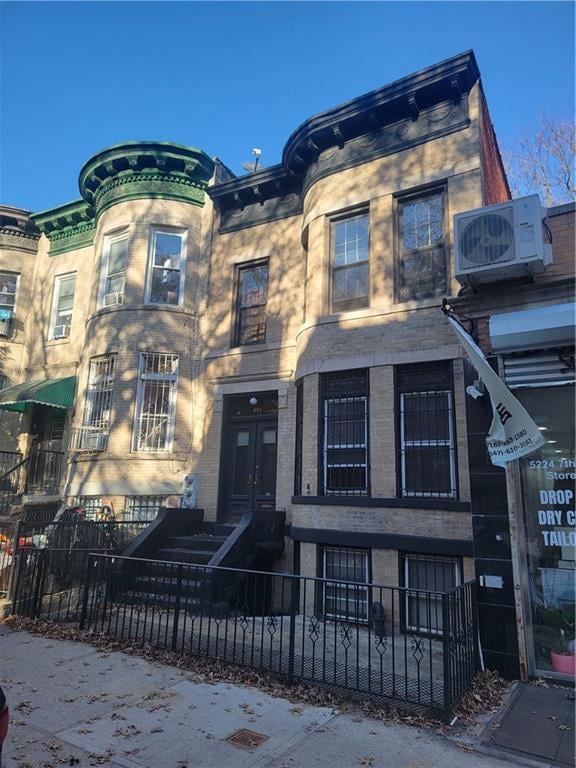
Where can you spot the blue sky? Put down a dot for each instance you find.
(78, 76)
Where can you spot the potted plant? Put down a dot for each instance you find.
(562, 652)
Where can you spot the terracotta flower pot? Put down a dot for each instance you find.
(564, 662)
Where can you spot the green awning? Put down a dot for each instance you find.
(56, 393)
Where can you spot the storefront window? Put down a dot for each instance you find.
(548, 487)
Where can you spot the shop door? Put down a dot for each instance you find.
(249, 468)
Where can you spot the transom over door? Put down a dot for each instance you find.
(249, 467)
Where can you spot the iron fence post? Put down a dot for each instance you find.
(11, 586)
(177, 608)
(86, 593)
(446, 656)
(292, 629)
(36, 607)
(475, 632)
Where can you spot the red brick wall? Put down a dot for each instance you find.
(563, 231)
(495, 184)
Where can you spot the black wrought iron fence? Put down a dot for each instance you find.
(46, 472)
(413, 647)
(7, 534)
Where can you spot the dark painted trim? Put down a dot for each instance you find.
(447, 505)
(418, 544)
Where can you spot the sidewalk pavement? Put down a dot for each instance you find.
(73, 705)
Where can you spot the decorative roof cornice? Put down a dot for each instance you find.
(67, 227)
(145, 169)
(414, 109)
(17, 230)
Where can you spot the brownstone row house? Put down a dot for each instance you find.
(276, 342)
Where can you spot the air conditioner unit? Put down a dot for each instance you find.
(501, 242)
(113, 298)
(5, 323)
(93, 441)
(61, 332)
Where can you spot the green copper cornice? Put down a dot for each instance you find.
(145, 169)
(67, 227)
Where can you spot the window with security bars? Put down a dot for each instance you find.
(252, 298)
(344, 430)
(427, 452)
(347, 601)
(90, 504)
(427, 574)
(93, 434)
(422, 257)
(156, 402)
(298, 439)
(166, 270)
(350, 263)
(8, 291)
(142, 507)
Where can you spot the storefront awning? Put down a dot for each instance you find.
(536, 328)
(56, 393)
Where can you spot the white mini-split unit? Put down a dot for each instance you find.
(501, 242)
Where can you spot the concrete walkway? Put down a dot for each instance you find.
(72, 705)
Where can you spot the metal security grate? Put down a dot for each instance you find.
(344, 429)
(93, 434)
(298, 439)
(142, 507)
(156, 401)
(246, 739)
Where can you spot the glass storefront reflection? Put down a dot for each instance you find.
(548, 489)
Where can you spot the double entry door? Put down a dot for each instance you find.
(249, 467)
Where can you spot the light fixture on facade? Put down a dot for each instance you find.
(253, 400)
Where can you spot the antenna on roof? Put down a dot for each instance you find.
(252, 165)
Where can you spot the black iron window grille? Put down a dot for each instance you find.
(426, 439)
(298, 439)
(422, 257)
(425, 574)
(350, 251)
(142, 507)
(346, 601)
(252, 297)
(344, 433)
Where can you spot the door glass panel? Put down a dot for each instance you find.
(268, 463)
(241, 458)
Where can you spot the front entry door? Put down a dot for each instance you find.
(249, 469)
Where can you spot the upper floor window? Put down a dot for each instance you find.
(344, 427)
(93, 434)
(422, 258)
(156, 402)
(350, 263)
(8, 291)
(427, 449)
(114, 264)
(252, 297)
(166, 267)
(62, 304)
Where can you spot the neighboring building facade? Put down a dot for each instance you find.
(278, 337)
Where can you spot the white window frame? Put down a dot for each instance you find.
(349, 264)
(58, 280)
(429, 444)
(183, 235)
(359, 491)
(85, 440)
(109, 240)
(413, 592)
(358, 587)
(6, 325)
(144, 377)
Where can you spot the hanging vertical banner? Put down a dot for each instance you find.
(513, 432)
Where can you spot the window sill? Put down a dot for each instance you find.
(139, 308)
(448, 505)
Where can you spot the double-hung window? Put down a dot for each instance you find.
(344, 429)
(8, 291)
(348, 602)
(422, 258)
(425, 575)
(166, 267)
(62, 305)
(252, 297)
(349, 244)
(427, 450)
(114, 265)
(93, 434)
(156, 402)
